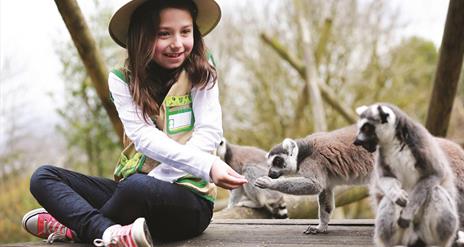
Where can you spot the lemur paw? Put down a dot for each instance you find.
(401, 198)
(315, 230)
(263, 182)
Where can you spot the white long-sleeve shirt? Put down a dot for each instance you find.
(176, 159)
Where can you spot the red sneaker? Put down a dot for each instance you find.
(41, 224)
(133, 235)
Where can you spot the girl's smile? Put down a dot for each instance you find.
(174, 38)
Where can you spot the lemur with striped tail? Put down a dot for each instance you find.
(413, 181)
(251, 163)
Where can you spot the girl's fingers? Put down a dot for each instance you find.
(233, 181)
(235, 174)
(224, 176)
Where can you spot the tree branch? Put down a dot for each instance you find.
(90, 56)
(326, 92)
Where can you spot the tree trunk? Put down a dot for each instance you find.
(90, 56)
(448, 70)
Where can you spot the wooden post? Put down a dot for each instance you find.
(448, 70)
(90, 56)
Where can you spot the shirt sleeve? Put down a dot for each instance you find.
(154, 143)
(207, 132)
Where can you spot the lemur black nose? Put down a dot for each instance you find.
(357, 142)
(274, 174)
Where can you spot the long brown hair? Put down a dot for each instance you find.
(149, 82)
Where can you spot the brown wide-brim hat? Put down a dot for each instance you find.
(209, 14)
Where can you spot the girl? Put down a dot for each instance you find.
(167, 100)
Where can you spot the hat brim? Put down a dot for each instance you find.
(209, 14)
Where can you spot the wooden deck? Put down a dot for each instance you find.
(247, 233)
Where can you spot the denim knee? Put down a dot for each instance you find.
(38, 176)
(134, 187)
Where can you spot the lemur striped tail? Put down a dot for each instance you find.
(280, 212)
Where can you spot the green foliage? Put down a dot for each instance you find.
(353, 52)
(402, 76)
(14, 202)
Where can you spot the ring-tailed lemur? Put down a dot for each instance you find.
(412, 179)
(324, 160)
(251, 163)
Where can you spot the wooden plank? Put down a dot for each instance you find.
(247, 235)
(268, 232)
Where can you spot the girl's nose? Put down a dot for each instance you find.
(176, 43)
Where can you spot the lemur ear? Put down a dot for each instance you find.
(290, 145)
(361, 109)
(383, 114)
(267, 155)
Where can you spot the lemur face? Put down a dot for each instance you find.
(283, 159)
(374, 123)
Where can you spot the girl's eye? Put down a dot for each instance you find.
(163, 34)
(186, 31)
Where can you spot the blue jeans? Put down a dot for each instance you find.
(88, 205)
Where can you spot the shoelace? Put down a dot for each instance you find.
(56, 230)
(120, 237)
(55, 236)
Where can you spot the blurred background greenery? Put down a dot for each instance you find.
(358, 53)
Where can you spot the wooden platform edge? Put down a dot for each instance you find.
(334, 222)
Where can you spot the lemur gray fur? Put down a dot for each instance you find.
(322, 161)
(413, 181)
(251, 163)
(327, 159)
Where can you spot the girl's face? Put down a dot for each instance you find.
(174, 40)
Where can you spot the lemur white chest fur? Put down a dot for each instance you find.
(401, 162)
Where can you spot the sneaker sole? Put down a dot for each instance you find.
(30, 214)
(141, 234)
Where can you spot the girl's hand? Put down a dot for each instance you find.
(224, 176)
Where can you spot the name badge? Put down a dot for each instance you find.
(180, 120)
(179, 115)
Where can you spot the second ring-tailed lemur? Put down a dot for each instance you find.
(325, 160)
(251, 163)
(412, 180)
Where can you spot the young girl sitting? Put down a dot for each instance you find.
(167, 99)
